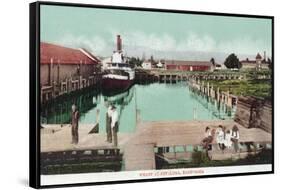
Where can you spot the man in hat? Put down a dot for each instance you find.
(235, 137)
(108, 124)
(74, 124)
(114, 124)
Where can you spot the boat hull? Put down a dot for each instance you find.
(111, 86)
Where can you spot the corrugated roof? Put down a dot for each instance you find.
(193, 63)
(65, 55)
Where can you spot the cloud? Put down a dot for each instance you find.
(150, 43)
(95, 44)
(191, 42)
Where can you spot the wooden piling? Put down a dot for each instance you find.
(138, 118)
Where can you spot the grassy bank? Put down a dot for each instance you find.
(255, 87)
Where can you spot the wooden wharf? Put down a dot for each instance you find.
(139, 148)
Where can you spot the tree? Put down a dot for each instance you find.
(133, 61)
(269, 63)
(232, 62)
(213, 61)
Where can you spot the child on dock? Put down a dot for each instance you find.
(227, 140)
(207, 139)
(220, 137)
(235, 137)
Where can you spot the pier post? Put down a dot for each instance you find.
(208, 89)
(194, 113)
(228, 100)
(138, 119)
(203, 88)
(212, 92)
(98, 116)
(218, 94)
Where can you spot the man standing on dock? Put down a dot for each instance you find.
(114, 124)
(108, 124)
(74, 124)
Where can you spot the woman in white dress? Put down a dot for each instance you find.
(227, 140)
(220, 137)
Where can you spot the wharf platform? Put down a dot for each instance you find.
(55, 137)
(177, 133)
(138, 148)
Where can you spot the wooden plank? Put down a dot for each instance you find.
(61, 140)
(138, 147)
(139, 157)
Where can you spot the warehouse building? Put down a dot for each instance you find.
(63, 70)
(188, 65)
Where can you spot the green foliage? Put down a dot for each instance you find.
(199, 157)
(269, 63)
(259, 88)
(135, 62)
(232, 62)
(213, 61)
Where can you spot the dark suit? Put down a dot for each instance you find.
(108, 129)
(74, 126)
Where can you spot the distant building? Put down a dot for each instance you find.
(259, 63)
(218, 67)
(188, 65)
(146, 65)
(64, 69)
(160, 64)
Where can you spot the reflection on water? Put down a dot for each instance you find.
(59, 111)
(155, 101)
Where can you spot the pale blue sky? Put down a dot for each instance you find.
(96, 29)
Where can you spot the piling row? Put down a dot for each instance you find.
(69, 85)
(215, 94)
(143, 76)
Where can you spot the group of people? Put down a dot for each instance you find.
(224, 137)
(112, 118)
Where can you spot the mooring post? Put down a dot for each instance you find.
(98, 116)
(208, 89)
(218, 94)
(138, 119)
(203, 91)
(194, 113)
(228, 99)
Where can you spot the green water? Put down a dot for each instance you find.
(156, 102)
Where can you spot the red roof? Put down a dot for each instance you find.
(65, 55)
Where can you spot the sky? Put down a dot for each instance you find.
(163, 35)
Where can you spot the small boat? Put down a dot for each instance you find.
(118, 76)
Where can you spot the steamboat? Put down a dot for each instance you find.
(118, 76)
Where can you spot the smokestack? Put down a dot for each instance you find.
(264, 55)
(119, 43)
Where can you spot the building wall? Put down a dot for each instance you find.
(253, 66)
(188, 67)
(57, 73)
(146, 65)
